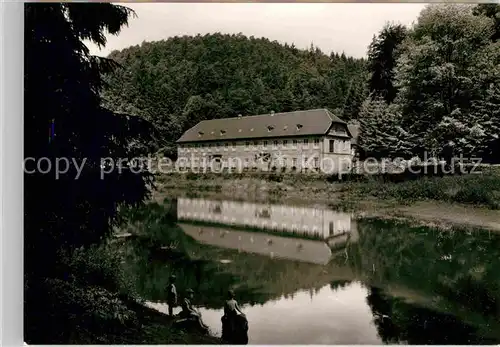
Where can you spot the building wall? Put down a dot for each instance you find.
(299, 152)
(322, 222)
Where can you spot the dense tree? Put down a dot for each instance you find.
(77, 209)
(186, 79)
(437, 74)
(492, 11)
(382, 57)
(381, 132)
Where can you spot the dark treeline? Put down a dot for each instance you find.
(177, 82)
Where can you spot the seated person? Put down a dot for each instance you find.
(189, 313)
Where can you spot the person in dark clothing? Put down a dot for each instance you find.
(171, 296)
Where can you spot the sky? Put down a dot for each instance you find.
(333, 27)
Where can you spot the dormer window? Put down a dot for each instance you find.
(285, 127)
(222, 132)
(239, 130)
(299, 126)
(212, 132)
(200, 133)
(251, 129)
(270, 128)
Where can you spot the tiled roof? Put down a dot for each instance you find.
(296, 123)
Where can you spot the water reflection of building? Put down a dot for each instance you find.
(332, 228)
(313, 221)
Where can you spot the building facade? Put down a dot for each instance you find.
(301, 141)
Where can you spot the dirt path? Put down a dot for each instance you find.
(453, 214)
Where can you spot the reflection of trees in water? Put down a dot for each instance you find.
(339, 284)
(400, 322)
(465, 283)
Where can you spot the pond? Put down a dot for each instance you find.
(311, 275)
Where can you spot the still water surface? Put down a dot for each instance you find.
(316, 276)
(327, 317)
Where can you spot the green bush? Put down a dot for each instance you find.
(100, 266)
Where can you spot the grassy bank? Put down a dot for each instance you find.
(97, 303)
(475, 189)
(480, 190)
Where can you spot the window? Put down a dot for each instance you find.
(247, 144)
(306, 143)
(316, 143)
(316, 162)
(347, 145)
(226, 144)
(294, 144)
(331, 229)
(209, 145)
(275, 143)
(285, 143)
(332, 146)
(264, 144)
(294, 162)
(255, 143)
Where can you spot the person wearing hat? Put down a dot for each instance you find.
(171, 295)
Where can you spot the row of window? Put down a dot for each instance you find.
(342, 145)
(247, 144)
(294, 162)
(334, 227)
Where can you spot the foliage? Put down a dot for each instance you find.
(437, 74)
(64, 216)
(382, 57)
(381, 132)
(492, 11)
(178, 82)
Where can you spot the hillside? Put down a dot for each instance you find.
(177, 82)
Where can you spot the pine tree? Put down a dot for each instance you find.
(382, 57)
(381, 134)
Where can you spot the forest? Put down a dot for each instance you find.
(432, 87)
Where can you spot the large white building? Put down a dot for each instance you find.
(302, 141)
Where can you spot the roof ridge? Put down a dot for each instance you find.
(268, 114)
